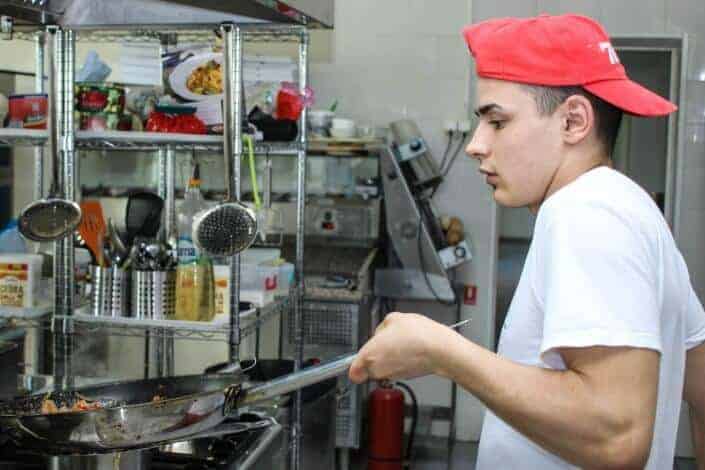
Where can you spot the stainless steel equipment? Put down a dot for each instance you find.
(419, 167)
(313, 13)
(344, 222)
(417, 239)
(144, 413)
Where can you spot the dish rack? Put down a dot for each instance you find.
(56, 46)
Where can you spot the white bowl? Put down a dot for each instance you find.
(338, 133)
(340, 123)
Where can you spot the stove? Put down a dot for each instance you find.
(259, 448)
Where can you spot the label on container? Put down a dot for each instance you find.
(13, 284)
(222, 295)
(187, 251)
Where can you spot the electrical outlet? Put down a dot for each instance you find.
(450, 126)
(464, 126)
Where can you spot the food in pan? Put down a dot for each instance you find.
(206, 79)
(49, 406)
(157, 398)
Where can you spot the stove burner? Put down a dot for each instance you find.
(220, 453)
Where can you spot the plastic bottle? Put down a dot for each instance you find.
(195, 283)
(11, 240)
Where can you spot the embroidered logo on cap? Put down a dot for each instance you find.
(606, 46)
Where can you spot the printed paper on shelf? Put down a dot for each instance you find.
(140, 64)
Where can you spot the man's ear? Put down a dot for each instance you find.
(577, 120)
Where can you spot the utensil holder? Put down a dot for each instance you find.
(154, 294)
(110, 291)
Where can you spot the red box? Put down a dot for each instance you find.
(28, 111)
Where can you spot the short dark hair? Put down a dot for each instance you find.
(607, 117)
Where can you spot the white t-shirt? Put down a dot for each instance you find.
(602, 270)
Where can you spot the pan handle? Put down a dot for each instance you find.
(290, 382)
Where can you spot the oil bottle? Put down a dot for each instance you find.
(195, 281)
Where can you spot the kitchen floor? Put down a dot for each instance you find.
(463, 455)
(432, 453)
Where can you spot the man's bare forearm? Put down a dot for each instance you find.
(559, 410)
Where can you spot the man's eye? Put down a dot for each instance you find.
(497, 124)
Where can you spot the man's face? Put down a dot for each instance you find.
(518, 149)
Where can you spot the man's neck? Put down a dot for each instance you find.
(569, 171)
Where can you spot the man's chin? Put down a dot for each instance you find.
(504, 200)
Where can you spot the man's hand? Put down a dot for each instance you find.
(404, 346)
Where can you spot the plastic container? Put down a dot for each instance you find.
(260, 255)
(104, 122)
(319, 122)
(253, 276)
(286, 277)
(28, 111)
(11, 241)
(100, 98)
(262, 276)
(20, 277)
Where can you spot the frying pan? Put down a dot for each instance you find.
(129, 418)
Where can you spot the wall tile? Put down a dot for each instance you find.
(589, 8)
(453, 57)
(685, 15)
(484, 9)
(696, 54)
(694, 190)
(444, 17)
(690, 243)
(634, 16)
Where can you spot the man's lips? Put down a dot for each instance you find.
(490, 177)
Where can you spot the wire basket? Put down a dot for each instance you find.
(110, 291)
(154, 294)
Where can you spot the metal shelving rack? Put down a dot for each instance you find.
(62, 137)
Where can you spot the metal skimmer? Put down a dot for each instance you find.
(229, 227)
(49, 219)
(225, 230)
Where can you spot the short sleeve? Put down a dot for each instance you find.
(694, 322)
(597, 281)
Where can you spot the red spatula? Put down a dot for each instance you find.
(92, 227)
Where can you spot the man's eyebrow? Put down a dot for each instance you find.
(484, 109)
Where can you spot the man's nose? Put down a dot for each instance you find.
(477, 148)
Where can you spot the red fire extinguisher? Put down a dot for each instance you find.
(386, 427)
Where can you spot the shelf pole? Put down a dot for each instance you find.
(169, 230)
(39, 88)
(61, 140)
(296, 454)
(232, 148)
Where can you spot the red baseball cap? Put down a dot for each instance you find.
(566, 50)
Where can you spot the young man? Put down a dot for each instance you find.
(605, 333)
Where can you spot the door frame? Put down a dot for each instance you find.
(677, 46)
